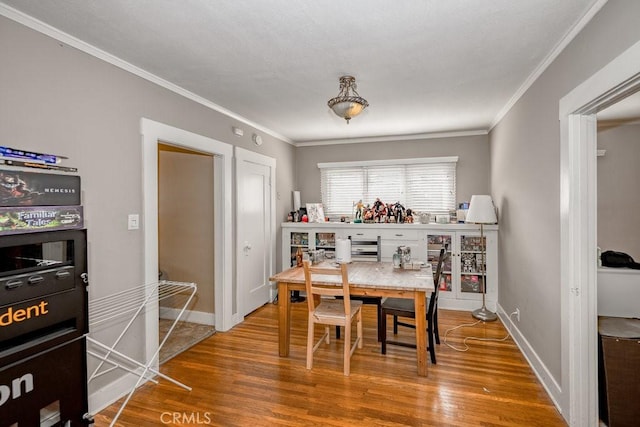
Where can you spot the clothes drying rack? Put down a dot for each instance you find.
(130, 304)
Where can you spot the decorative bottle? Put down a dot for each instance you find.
(299, 257)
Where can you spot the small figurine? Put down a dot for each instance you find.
(398, 212)
(359, 211)
(409, 216)
(379, 211)
(368, 214)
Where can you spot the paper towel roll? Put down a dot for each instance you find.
(343, 250)
(296, 200)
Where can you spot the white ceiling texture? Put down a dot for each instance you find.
(424, 66)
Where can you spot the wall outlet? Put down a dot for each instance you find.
(517, 314)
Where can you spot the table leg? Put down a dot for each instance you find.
(284, 319)
(421, 332)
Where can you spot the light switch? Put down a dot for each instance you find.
(133, 222)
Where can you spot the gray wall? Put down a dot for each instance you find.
(56, 99)
(525, 179)
(618, 190)
(472, 174)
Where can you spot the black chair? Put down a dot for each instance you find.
(404, 307)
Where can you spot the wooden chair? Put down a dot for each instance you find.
(403, 307)
(331, 312)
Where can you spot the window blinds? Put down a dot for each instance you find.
(423, 185)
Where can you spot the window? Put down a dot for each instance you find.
(423, 185)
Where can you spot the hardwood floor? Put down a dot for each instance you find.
(238, 379)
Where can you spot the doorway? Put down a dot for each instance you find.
(615, 81)
(152, 135)
(185, 245)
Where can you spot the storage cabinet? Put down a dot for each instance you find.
(310, 239)
(391, 239)
(463, 278)
(365, 248)
(463, 273)
(296, 240)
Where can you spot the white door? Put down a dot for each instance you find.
(255, 242)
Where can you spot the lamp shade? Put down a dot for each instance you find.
(481, 210)
(347, 109)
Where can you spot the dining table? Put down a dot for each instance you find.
(366, 278)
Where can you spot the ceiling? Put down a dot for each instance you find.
(424, 66)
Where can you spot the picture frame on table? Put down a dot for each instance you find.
(315, 212)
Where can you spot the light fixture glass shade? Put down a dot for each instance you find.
(481, 210)
(348, 103)
(347, 110)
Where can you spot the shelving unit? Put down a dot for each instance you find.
(462, 285)
(365, 248)
(326, 241)
(463, 273)
(297, 240)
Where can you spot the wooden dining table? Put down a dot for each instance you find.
(371, 279)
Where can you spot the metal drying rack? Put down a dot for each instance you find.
(132, 302)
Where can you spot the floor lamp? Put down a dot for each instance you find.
(481, 211)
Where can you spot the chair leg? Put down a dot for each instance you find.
(383, 333)
(359, 330)
(395, 325)
(347, 349)
(337, 332)
(435, 326)
(432, 347)
(327, 339)
(310, 342)
(379, 308)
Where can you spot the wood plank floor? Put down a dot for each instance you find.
(238, 379)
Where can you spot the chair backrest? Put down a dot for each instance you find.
(313, 277)
(433, 301)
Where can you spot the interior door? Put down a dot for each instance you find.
(254, 234)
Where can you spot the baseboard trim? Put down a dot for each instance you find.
(112, 392)
(192, 316)
(550, 385)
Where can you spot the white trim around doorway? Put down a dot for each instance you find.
(578, 219)
(154, 133)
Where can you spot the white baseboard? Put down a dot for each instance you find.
(237, 319)
(551, 386)
(191, 316)
(107, 395)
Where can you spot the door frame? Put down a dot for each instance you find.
(578, 222)
(242, 155)
(154, 133)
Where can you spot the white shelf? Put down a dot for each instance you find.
(425, 240)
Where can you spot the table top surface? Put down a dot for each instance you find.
(380, 275)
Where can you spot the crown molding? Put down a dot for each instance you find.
(392, 138)
(48, 30)
(568, 38)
